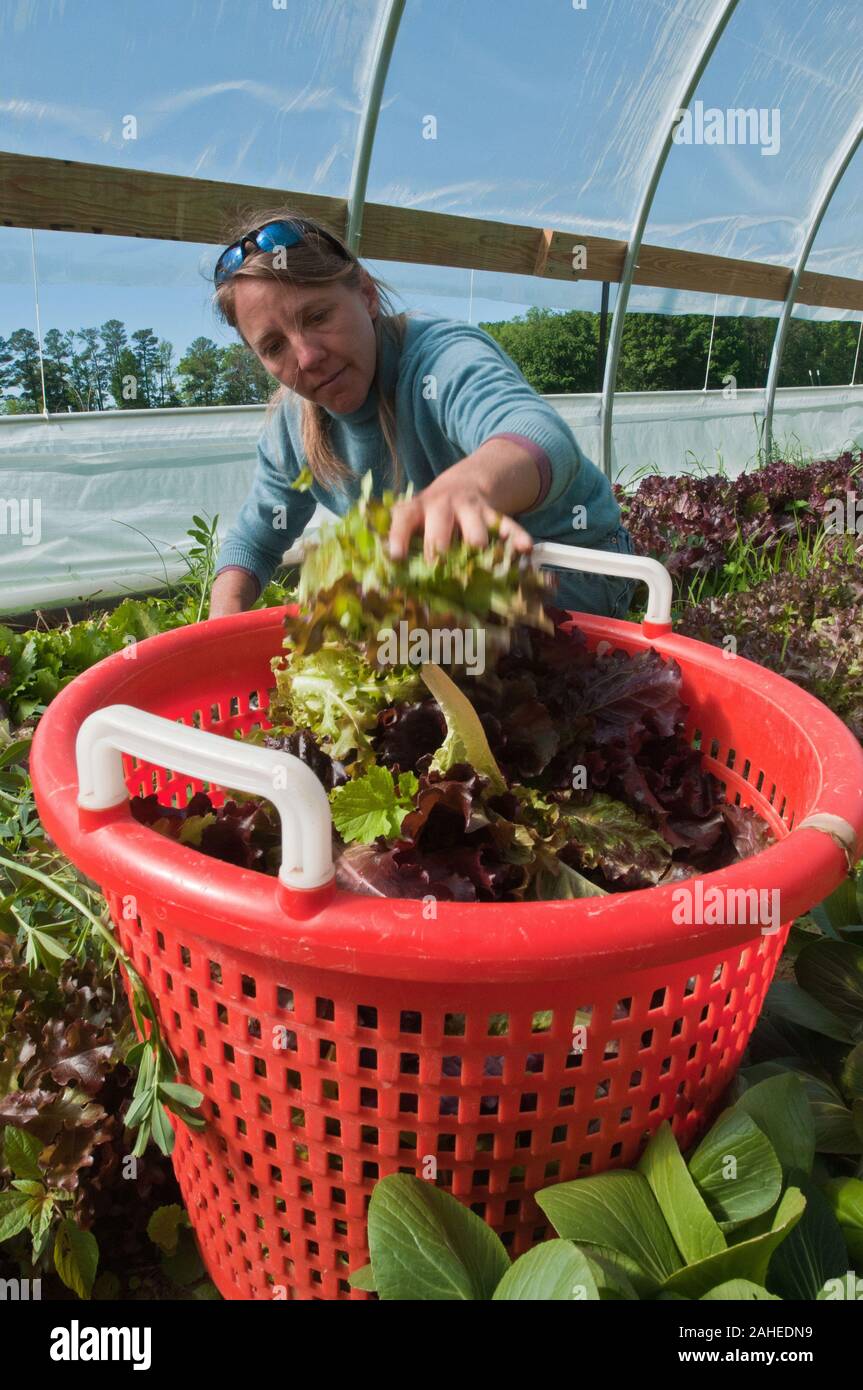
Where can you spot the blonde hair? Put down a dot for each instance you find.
(315, 262)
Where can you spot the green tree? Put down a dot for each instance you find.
(199, 373)
(555, 349)
(57, 362)
(146, 350)
(649, 359)
(819, 347)
(113, 335)
(242, 379)
(25, 374)
(690, 335)
(166, 388)
(7, 358)
(126, 382)
(93, 374)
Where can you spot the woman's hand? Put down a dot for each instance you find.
(439, 513)
(469, 497)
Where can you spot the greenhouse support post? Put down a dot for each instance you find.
(38, 321)
(856, 355)
(711, 37)
(602, 345)
(368, 125)
(710, 344)
(846, 153)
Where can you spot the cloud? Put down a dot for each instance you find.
(322, 168)
(454, 193)
(305, 99)
(77, 119)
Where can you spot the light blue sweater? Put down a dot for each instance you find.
(455, 388)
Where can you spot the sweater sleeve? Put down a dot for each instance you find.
(479, 393)
(272, 516)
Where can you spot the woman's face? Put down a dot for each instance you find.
(304, 336)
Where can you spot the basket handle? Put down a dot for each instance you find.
(292, 787)
(657, 619)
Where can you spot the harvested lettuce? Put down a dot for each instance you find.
(465, 740)
(559, 772)
(351, 587)
(373, 805)
(332, 679)
(336, 695)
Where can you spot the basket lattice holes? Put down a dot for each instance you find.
(315, 1098)
(311, 1099)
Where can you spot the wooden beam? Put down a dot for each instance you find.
(691, 270)
(65, 195)
(439, 238)
(830, 291)
(62, 195)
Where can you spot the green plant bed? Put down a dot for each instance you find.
(35, 665)
(719, 535)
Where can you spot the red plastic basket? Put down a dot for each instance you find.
(338, 1047)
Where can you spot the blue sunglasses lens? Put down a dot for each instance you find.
(229, 261)
(278, 234)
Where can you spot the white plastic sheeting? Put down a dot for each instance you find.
(105, 482)
(684, 431)
(113, 493)
(545, 114)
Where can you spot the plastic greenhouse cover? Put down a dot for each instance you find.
(547, 114)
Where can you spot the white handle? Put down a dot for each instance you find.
(292, 787)
(571, 557)
(640, 567)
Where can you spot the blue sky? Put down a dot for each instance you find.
(545, 115)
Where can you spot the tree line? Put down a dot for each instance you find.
(108, 369)
(558, 351)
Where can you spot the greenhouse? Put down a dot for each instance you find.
(431, 654)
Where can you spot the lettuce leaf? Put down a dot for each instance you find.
(352, 587)
(372, 805)
(465, 741)
(608, 835)
(335, 694)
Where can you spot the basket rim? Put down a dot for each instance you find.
(242, 908)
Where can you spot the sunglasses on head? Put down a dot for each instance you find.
(268, 238)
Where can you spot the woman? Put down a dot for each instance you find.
(413, 398)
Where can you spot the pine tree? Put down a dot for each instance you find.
(199, 373)
(25, 374)
(126, 382)
(93, 368)
(242, 379)
(113, 335)
(146, 344)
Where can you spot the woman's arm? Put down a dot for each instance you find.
(497, 481)
(234, 590)
(268, 523)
